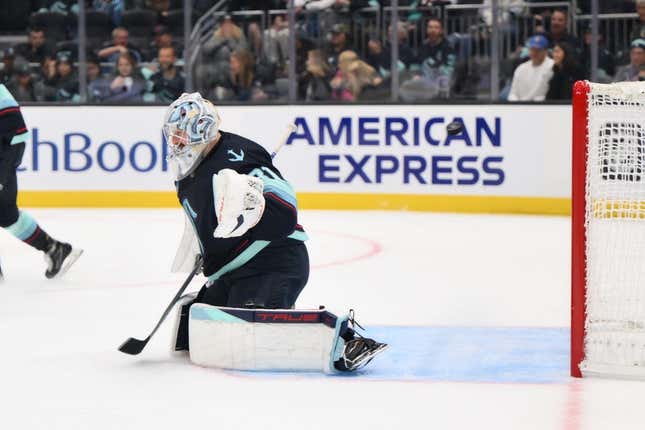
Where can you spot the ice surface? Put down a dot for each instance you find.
(476, 309)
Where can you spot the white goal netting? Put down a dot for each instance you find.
(615, 231)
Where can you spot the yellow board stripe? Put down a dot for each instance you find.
(437, 203)
(340, 201)
(98, 199)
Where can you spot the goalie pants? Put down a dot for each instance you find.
(10, 158)
(273, 279)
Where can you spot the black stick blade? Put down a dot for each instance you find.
(133, 346)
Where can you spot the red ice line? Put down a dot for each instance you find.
(375, 248)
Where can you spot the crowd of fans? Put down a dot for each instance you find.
(552, 61)
(135, 52)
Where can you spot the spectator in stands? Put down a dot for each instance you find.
(252, 23)
(98, 86)
(531, 78)
(634, 71)
(64, 83)
(163, 39)
(378, 57)
(606, 61)
(240, 83)
(119, 45)
(35, 49)
(168, 83)
(314, 83)
(216, 52)
(436, 53)
(21, 84)
(113, 8)
(275, 41)
(437, 67)
(47, 79)
(127, 84)
(566, 71)
(93, 68)
(8, 61)
(638, 31)
(352, 77)
(559, 30)
(406, 54)
(338, 42)
(303, 45)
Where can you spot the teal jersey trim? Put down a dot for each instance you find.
(20, 138)
(6, 99)
(299, 235)
(241, 259)
(211, 313)
(24, 227)
(189, 209)
(273, 184)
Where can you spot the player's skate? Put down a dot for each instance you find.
(60, 258)
(358, 350)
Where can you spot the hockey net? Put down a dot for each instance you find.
(608, 230)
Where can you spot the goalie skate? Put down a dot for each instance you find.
(358, 353)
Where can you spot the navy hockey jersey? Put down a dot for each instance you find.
(278, 226)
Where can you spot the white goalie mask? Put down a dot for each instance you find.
(190, 124)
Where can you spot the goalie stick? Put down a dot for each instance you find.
(290, 129)
(134, 346)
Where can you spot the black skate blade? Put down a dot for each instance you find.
(133, 346)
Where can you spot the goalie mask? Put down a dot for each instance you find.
(190, 124)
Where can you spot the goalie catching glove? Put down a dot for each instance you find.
(239, 203)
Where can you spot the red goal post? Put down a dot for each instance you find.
(578, 261)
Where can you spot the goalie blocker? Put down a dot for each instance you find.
(270, 339)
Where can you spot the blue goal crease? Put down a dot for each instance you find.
(464, 354)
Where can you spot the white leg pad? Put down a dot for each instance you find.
(262, 339)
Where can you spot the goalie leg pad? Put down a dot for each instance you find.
(262, 339)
